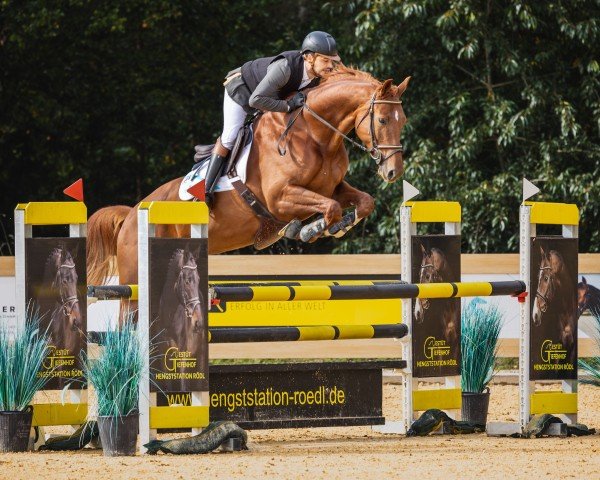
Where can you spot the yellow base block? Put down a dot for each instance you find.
(553, 402)
(443, 398)
(179, 417)
(47, 414)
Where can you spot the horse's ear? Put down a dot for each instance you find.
(403, 85)
(583, 280)
(423, 251)
(542, 252)
(385, 88)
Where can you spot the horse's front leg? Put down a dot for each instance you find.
(348, 196)
(298, 202)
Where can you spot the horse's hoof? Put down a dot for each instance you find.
(292, 229)
(313, 229)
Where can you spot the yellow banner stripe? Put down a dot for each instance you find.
(553, 402)
(474, 289)
(316, 333)
(443, 399)
(179, 417)
(54, 213)
(47, 414)
(433, 290)
(175, 212)
(355, 331)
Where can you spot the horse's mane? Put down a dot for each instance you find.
(342, 72)
(50, 266)
(173, 268)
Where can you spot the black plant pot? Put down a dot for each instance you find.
(475, 406)
(119, 434)
(14, 430)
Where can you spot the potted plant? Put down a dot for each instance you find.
(21, 357)
(115, 376)
(480, 331)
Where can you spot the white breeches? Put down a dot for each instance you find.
(233, 119)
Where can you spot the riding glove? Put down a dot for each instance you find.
(296, 101)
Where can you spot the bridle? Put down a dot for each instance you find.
(191, 303)
(67, 303)
(541, 295)
(436, 277)
(375, 151)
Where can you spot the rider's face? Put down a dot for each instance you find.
(322, 65)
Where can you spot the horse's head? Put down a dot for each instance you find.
(187, 288)
(583, 296)
(433, 263)
(549, 283)
(65, 281)
(379, 124)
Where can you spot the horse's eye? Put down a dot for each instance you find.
(382, 120)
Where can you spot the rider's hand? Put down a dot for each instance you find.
(296, 101)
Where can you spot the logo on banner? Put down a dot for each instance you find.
(176, 359)
(435, 348)
(58, 357)
(553, 352)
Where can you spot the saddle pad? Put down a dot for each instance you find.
(198, 174)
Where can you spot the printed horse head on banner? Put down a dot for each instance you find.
(588, 298)
(65, 312)
(556, 295)
(435, 268)
(182, 303)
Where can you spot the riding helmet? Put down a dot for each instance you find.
(320, 42)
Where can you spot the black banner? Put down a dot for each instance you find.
(56, 283)
(553, 322)
(178, 314)
(295, 395)
(436, 322)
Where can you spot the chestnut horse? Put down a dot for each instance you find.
(307, 180)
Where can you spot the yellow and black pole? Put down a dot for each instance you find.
(365, 292)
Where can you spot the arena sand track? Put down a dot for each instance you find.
(346, 453)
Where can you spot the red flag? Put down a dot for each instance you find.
(75, 190)
(198, 190)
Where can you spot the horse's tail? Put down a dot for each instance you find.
(103, 229)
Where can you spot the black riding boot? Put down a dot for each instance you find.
(213, 173)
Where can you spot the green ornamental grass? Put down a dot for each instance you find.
(480, 331)
(592, 366)
(116, 374)
(21, 357)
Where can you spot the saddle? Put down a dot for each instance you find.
(271, 229)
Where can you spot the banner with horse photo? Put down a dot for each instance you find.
(178, 314)
(553, 324)
(56, 284)
(436, 322)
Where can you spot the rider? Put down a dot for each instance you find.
(264, 84)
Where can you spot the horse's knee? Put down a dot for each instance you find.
(365, 206)
(333, 213)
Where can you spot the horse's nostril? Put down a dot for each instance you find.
(391, 174)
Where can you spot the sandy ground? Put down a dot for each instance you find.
(342, 453)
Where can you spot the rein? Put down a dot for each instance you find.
(375, 151)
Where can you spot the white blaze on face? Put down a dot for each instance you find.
(396, 115)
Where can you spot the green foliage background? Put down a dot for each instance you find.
(119, 92)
